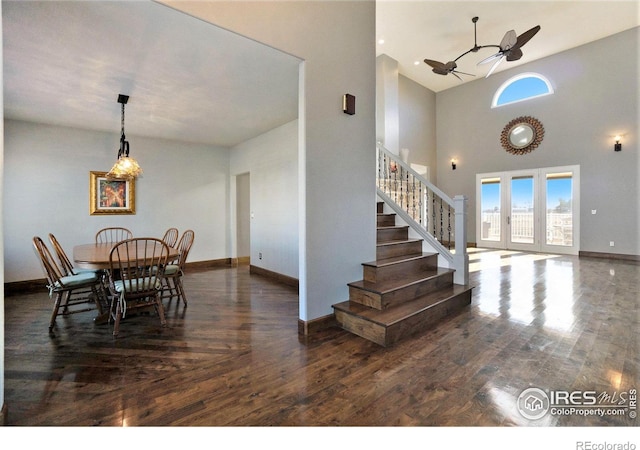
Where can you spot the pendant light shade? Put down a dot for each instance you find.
(125, 167)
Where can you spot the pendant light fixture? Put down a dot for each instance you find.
(125, 167)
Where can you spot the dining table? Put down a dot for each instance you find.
(95, 256)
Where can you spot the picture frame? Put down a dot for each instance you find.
(109, 196)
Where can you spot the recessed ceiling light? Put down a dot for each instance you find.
(381, 41)
(416, 63)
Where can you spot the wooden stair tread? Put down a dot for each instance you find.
(397, 259)
(399, 283)
(396, 314)
(402, 292)
(398, 241)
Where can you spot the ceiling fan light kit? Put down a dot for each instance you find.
(510, 48)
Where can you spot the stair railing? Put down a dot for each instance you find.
(437, 218)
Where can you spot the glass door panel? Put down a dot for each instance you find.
(559, 223)
(490, 211)
(522, 210)
(490, 207)
(561, 191)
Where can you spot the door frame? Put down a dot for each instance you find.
(540, 217)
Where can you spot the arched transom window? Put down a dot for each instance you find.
(521, 87)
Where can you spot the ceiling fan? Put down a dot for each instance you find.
(509, 48)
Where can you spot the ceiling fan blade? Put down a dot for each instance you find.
(462, 73)
(495, 65)
(435, 64)
(491, 58)
(526, 36)
(509, 40)
(514, 54)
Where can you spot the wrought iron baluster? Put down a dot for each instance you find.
(421, 204)
(413, 198)
(385, 174)
(394, 170)
(426, 209)
(449, 224)
(441, 222)
(401, 177)
(433, 213)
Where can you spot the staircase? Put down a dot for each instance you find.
(403, 292)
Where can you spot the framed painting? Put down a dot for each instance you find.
(111, 196)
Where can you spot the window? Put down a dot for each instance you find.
(521, 87)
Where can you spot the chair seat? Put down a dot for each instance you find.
(171, 269)
(137, 284)
(79, 279)
(96, 271)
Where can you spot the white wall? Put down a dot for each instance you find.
(46, 190)
(596, 97)
(272, 163)
(337, 151)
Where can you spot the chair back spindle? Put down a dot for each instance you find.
(113, 234)
(171, 237)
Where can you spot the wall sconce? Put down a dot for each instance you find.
(349, 104)
(453, 164)
(617, 146)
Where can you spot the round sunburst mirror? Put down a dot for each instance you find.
(522, 135)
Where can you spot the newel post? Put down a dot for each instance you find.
(461, 257)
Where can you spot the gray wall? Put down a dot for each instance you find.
(271, 160)
(418, 124)
(337, 151)
(46, 187)
(596, 97)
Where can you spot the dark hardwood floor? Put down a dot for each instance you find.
(233, 357)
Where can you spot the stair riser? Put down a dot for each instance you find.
(392, 234)
(399, 249)
(426, 319)
(415, 266)
(415, 324)
(399, 296)
(361, 327)
(386, 220)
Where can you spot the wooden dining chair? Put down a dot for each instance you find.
(136, 286)
(70, 290)
(113, 234)
(173, 273)
(64, 261)
(67, 268)
(171, 237)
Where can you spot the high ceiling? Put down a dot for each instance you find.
(66, 62)
(443, 30)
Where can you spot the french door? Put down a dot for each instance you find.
(530, 210)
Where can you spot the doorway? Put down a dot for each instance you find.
(529, 210)
(243, 218)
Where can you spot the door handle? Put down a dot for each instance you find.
(508, 220)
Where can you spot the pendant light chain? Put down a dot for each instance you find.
(125, 167)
